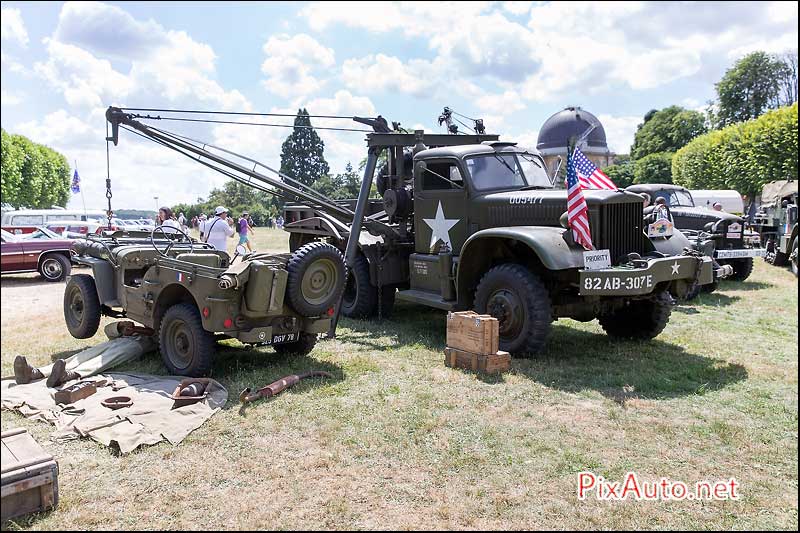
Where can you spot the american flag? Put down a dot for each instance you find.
(577, 212)
(590, 176)
(76, 183)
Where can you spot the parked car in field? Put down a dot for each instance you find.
(27, 220)
(71, 229)
(41, 251)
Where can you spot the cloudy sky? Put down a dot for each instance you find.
(511, 63)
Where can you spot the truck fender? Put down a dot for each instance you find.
(536, 246)
(172, 294)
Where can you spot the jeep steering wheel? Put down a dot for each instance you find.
(165, 253)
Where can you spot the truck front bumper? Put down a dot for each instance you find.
(630, 281)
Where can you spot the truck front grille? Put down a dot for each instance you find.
(618, 228)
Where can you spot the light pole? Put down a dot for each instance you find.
(156, 199)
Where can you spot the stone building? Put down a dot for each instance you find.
(568, 123)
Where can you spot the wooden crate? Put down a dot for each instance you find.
(29, 475)
(471, 332)
(495, 363)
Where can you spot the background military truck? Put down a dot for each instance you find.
(469, 222)
(188, 291)
(776, 222)
(732, 247)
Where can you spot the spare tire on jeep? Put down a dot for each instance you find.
(316, 278)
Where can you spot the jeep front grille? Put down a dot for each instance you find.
(618, 228)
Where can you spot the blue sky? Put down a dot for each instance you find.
(512, 63)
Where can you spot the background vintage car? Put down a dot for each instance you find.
(41, 251)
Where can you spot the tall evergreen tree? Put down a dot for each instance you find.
(302, 155)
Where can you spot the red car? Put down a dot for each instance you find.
(41, 251)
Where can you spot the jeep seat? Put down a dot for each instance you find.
(209, 260)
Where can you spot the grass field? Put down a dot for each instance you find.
(398, 441)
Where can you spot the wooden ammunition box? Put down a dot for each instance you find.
(29, 475)
(75, 392)
(471, 332)
(495, 363)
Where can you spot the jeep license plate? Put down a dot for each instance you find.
(284, 337)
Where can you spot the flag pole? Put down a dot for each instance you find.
(83, 199)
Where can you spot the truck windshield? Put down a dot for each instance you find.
(680, 198)
(507, 171)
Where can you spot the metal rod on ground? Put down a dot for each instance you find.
(355, 229)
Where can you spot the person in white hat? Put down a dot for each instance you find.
(216, 231)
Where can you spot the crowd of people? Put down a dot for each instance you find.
(216, 229)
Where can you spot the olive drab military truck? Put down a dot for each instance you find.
(732, 244)
(469, 222)
(776, 223)
(187, 291)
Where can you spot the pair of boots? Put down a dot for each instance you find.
(24, 372)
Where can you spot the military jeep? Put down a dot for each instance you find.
(187, 292)
(732, 247)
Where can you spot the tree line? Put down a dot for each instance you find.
(33, 175)
(754, 85)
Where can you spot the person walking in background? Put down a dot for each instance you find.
(245, 230)
(279, 222)
(167, 220)
(717, 206)
(182, 222)
(216, 231)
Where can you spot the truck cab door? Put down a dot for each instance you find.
(440, 206)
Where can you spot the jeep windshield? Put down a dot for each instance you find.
(507, 170)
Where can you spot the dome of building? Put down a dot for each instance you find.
(571, 122)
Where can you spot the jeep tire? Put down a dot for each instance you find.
(316, 278)
(55, 267)
(186, 347)
(639, 319)
(301, 346)
(521, 303)
(793, 256)
(81, 306)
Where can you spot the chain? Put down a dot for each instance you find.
(109, 213)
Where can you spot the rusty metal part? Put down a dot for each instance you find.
(117, 402)
(189, 391)
(246, 396)
(73, 393)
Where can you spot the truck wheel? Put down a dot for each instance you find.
(81, 306)
(639, 319)
(55, 267)
(742, 268)
(794, 256)
(302, 346)
(316, 278)
(186, 348)
(520, 301)
(360, 297)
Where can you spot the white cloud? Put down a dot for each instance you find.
(9, 99)
(619, 131)
(62, 129)
(517, 8)
(379, 73)
(12, 26)
(291, 62)
(10, 63)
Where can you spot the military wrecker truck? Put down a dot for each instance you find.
(732, 244)
(469, 222)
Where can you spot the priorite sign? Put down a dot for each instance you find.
(596, 259)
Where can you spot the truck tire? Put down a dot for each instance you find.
(639, 319)
(55, 267)
(81, 306)
(186, 347)
(360, 298)
(520, 301)
(742, 268)
(316, 278)
(793, 257)
(302, 346)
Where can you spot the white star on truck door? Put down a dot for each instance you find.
(440, 227)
